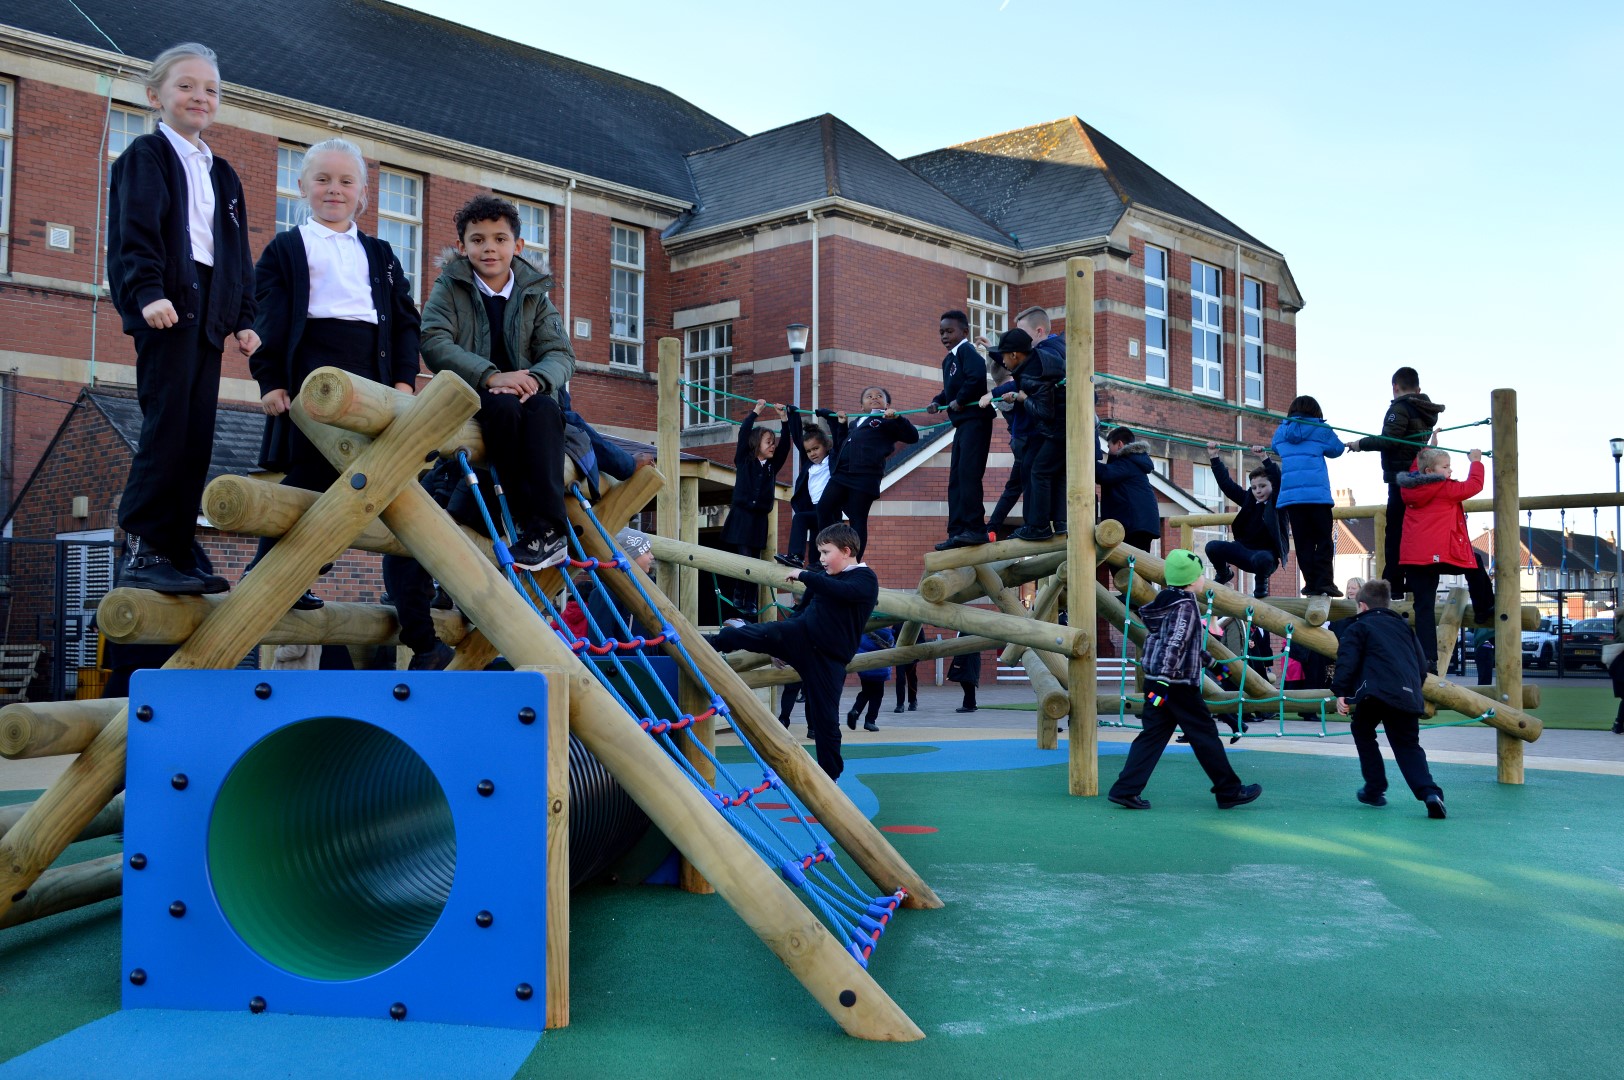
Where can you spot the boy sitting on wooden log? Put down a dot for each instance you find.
(820, 639)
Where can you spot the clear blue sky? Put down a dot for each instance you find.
(1443, 178)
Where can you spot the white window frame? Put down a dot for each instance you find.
(1163, 467)
(290, 214)
(1204, 304)
(536, 229)
(1204, 486)
(1252, 347)
(1155, 354)
(987, 305)
(120, 135)
(8, 122)
(707, 354)
(400, 220)
(626, 279)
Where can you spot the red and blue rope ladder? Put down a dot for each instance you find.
(808, 861)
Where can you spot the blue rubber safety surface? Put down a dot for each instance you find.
(182, 1045)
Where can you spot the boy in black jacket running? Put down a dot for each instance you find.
(820, 639)
(1380, 666)
(1172, 663)
(1259, 529)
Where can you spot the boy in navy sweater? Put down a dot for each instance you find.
(1380, 665)
(820, 639)
(1172, 663)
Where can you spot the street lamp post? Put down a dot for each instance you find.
(797, 334)
(1618, 533)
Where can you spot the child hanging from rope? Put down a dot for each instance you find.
(1408, 425)
(1381, 666)
(871, 682)
(757, 458)
(1435, 542)
(865, 442)
(820, 639)
(816, 452)
(1172, 665)
(1259, 543)
(1303, 443)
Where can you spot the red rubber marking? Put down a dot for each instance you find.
(911, 829)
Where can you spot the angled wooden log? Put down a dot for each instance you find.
(1449, 629)
(1067, 640)
(952, 558)
(106, 823)
(1505, 716)
(759, 896)
(143, 616)
(929, 650)
(255, 507)
(1346, 608)
(67, 887)
(36, 729)
(942, 584)
(360, 494)
(850, 828)
(332, 396)
(1045, 608)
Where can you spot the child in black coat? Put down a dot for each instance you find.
(821, 638)
(182, 280)
(816, 451)
(757, 458)
(1381, 667)
(865, 442)
(1259, 530)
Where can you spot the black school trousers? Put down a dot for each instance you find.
(972, 439)
(1316, 551)
(177, 382)
(822, 678)
(1391, 570)
(1423, 581)
(1013, 487)
(1181, 707)
(908, 683)
(1045, 473)
(1404, 736)
(524, 443)
(838, 499)
(803, 535)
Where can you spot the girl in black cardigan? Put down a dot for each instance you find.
(854, 479)
(182, 281)
(757, 458)
(329, 295)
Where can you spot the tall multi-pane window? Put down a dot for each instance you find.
(7, 96)
(708, 356)
(533, 230)
(1204, 486)
(1206, 329)
(1252, 327)
(988, 308)
(1155, 316)
(124, 126)
(400, 219)
(626, 296)
(289, 204)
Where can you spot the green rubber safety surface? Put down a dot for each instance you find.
(356, 845)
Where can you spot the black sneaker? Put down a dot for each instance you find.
(309, 602)
(434, 659)
(1247, 794)
(851, 720)
(146, 569)
(913, 706)
(538, 551)
(790, 561)
(1224, 575)
(1364, 795)
(944, 545)
(1435, 807)
(1028, 532)
(899, 709)
(871, 727)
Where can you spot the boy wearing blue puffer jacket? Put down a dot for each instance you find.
(1303, 443)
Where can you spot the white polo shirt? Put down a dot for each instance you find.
(340, 285)
(196, 163)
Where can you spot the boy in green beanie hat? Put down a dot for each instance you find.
(1172, 663)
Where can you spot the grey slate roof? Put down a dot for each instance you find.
(811, 160)
(391, 64)
(1582, 550)
(237, 430)
(1059, 182)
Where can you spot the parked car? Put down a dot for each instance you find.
(1582, 642)
(1539, 647)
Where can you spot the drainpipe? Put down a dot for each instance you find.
(569, 255)
(813, 218)
(1240, 332)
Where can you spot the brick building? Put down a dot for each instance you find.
(657, 219)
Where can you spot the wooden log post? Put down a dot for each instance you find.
(109, 821)
(1449, 630)
(333, 396)
(67, 887)
(558, 845)
(1082, 734)
(1003, 550)
(676, 807)
(362, 491)
(850, 828)
(1506, 717)
(254, 507)
(1508, 675)
(668, 448)
(938, 586)
(36, 729)
(688, 532)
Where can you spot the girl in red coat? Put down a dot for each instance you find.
(1435, 542)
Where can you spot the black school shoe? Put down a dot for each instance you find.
(1130, 802)
(434, 659)
(1364, 795)
(1224, 576)
(1247, 794)
(1032, 533)
(851, 720)
(871, 727)
(1435, 807)
(146, 569)
(212, 583)
(309, 602)
(789, 560)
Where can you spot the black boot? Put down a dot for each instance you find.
(146, 569)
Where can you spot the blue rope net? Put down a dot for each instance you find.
(794, 846)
